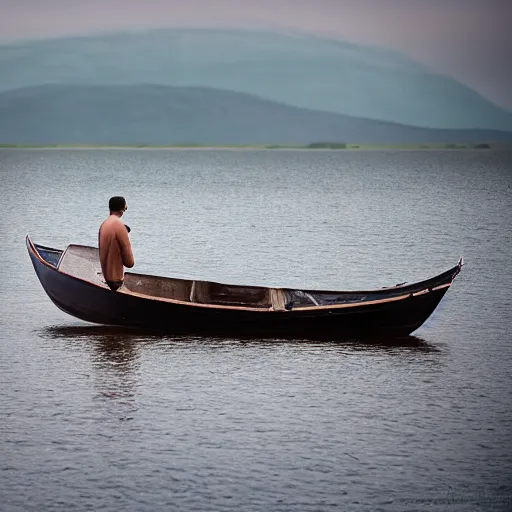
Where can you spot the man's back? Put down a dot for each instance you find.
(115, 249)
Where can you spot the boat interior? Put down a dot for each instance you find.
(82, 262)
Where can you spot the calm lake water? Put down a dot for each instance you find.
(96, 418)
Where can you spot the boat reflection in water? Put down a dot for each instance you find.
(121, 346)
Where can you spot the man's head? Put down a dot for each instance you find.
(117, 204)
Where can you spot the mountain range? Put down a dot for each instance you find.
(213, 86)
(155, 114)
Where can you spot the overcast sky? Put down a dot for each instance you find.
(470, 40)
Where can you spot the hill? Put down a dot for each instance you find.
(156, 115)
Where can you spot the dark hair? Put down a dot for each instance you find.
(116, 203)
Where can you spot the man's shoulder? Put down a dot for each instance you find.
(113, 220)
(111, 224)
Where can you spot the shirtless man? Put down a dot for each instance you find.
(114, 244)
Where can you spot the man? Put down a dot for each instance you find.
(114, 244)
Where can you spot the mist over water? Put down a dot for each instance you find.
(96, 417)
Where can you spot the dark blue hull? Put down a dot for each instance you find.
(397, 312)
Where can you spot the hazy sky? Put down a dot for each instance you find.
(470, 40)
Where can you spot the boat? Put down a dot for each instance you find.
(73, 280)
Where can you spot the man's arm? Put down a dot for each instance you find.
(125, 246)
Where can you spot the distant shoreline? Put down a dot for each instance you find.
(269, 147)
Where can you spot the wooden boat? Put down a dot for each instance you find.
(73, 280)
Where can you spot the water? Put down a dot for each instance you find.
(101, 418)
